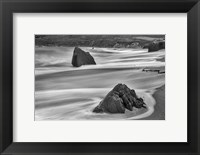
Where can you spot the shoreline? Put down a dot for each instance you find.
(159, 108)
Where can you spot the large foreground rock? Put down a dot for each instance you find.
(81, 57)
(119, 99)
(155, 46)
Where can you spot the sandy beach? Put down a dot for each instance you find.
(159, 108)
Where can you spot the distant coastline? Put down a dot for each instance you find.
(120, 41)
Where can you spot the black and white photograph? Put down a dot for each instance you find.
(99, 77)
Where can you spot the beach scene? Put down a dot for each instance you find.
(99, 77)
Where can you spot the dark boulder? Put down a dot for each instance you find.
(155, 46)
(81, 57)
(115, 104)
(119, 99)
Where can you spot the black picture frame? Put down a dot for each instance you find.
(8, 7)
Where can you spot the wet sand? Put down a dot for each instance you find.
(159, 108)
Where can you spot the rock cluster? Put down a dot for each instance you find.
(155, 46)
(119, 99)
(81, 57)
(127, 45)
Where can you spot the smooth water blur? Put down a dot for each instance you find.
(64, 92)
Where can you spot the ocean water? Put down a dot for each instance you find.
(64, 92)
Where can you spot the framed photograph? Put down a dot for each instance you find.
(99, 77)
